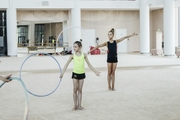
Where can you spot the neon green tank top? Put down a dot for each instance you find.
(78, 64)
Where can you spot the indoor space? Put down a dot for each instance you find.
(130, 59)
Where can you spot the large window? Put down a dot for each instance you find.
(3, 36)
(2, 24)
(39, 34)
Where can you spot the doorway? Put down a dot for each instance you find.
(39, 34)
(22, 35)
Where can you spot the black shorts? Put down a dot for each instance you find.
(78, 76)
(112, 59)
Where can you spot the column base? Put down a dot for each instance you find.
(169, 55)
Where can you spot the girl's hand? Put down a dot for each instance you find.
(98, 73)
(6, 79)
(88, 52)
(134, 34)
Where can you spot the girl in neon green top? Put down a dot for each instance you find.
(78, 74)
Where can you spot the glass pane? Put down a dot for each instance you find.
(26, 36)
(36, 28)
(21, 29)
(4, 31)
(26, 29)
(42, 28)
(21, 34)
(1, 31)
(39, 28)
(0, 22)
(2, 18)
(18, 29)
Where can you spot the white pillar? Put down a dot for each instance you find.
(11, 30)
(169, 27)
(75, 21)
(65, 34)
(178, 26)
(144, 27)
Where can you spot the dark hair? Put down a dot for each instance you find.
(112, 30)
(78, 43)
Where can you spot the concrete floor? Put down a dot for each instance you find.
(147, 88)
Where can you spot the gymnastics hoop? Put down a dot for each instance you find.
(59, 71)
(67, 29)
(26, 111)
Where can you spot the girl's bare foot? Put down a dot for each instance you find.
(81, 108)
(110, 88)
(75, 108)
(113, 89)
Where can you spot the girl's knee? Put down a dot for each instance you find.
(113, 73)
(75, 90)
(80, 90)
(109, 73)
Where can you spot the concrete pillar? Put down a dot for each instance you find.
(65, 34)
(11, 30)
(169, 27)
(178, 26)
(75, 21)
(144, 27)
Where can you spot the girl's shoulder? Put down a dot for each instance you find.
(84, 54)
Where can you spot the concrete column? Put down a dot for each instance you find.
(75, 21)
(65, 34)
(169, 27)
(144, 27)
(11, 30)
(178, 26)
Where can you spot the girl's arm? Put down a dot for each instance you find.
(123, 38)
(98, 46)
(5, 79)
(66, 65)
(90, 66)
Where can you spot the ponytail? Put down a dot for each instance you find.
(112, 30)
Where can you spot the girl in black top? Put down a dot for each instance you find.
(112, 52)
(112, 56)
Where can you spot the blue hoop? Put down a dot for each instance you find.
(59, 71)
(57, 39)
(26, 111)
